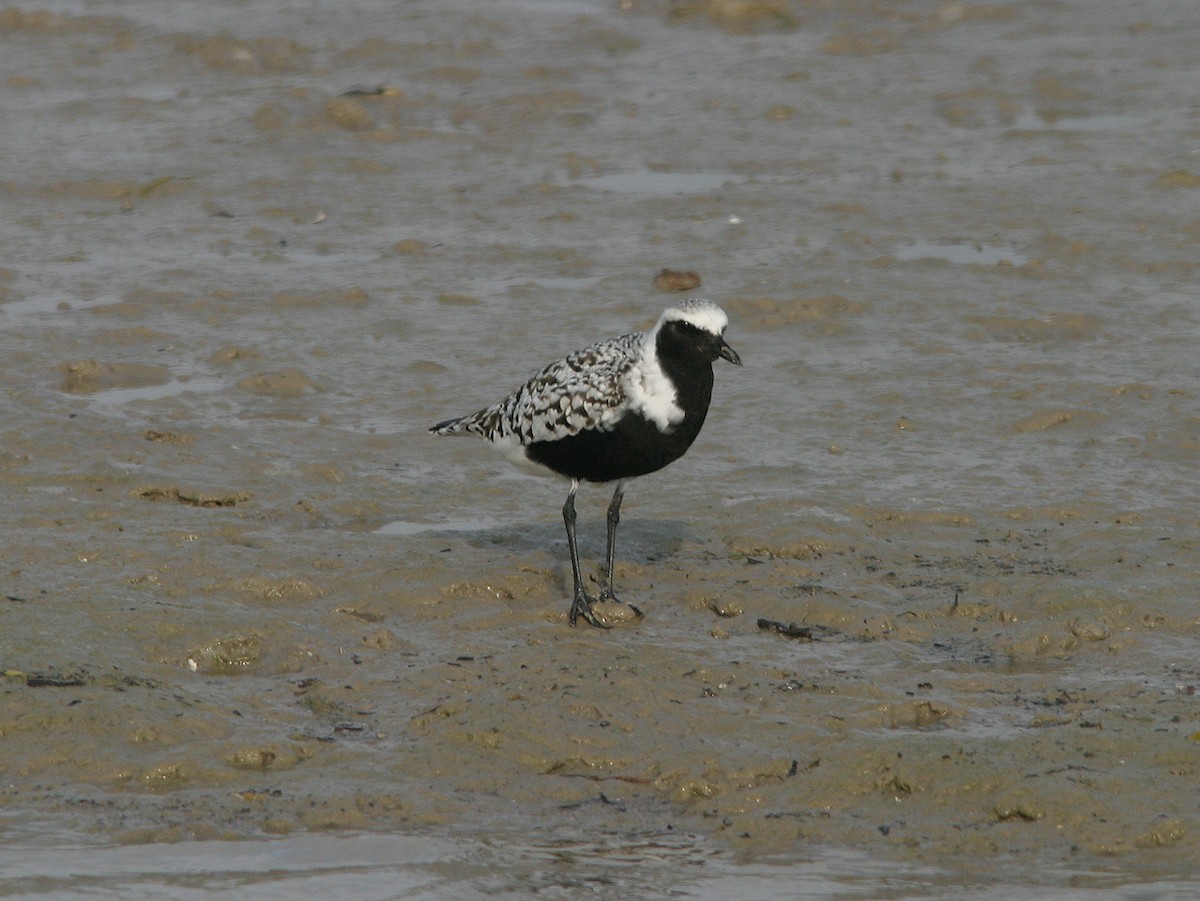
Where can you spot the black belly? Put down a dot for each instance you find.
(634, 447)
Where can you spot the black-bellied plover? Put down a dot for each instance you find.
(610, 412)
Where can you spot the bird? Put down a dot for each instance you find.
(610, 412)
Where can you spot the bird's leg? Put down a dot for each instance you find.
(581, 605)
(614, 517)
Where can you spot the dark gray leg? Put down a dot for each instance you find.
(581, 605)
(614, 517)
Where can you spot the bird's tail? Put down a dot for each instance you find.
(451, 426)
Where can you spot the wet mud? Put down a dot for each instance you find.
(925, 587)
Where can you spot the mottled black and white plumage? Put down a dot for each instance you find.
(610, 412)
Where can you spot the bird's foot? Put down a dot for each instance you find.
(603, 612)
(582, 606)
(607, 597)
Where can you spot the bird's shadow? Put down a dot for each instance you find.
(638, 540)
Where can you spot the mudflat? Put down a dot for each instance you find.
(922, 591)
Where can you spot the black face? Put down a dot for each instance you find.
(679, 338)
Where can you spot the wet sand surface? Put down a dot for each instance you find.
(920, 602)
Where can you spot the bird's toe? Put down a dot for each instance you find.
(582, 607)
(608, 597)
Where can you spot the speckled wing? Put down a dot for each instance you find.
(584, 390)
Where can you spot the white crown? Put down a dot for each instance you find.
(703, 314)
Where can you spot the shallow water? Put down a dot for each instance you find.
(373, 866)
(249, 597)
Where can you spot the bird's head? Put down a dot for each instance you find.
(695, 328)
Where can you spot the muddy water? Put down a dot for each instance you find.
(251, 252)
